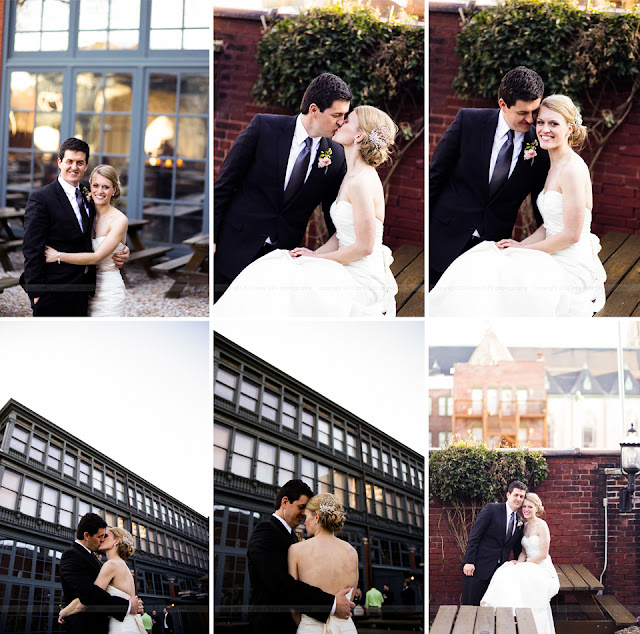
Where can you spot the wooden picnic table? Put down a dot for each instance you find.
(620, 256)
(408, 269)
(469, 619)
(8, 239)
(140, 253)
(592, 612)
(192, 268)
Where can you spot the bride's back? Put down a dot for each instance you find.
(326, 562)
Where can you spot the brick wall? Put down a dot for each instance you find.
(572, 496)
(616, 180)
(235, 73)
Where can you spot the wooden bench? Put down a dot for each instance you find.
(146, 257)
(620, 256)
(8, 282)
(615, 610)
(192, 268)
(5, 247)
(408, 269)
(469, 619)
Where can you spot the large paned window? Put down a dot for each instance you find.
(178, 24)
(242, 455)
(9, 489)
(270, 405)
(249, 395)
(265, 469)
(19, 439)
(41, 25)
(286, 469)
(226, 384)
(109, 25)
(289, 414)
(308, 421)
(29, 498)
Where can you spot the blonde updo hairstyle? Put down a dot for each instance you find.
(110, 173)
(380, 133)
(127, 546)
(536, 501)
(328, 510)
(565, 107)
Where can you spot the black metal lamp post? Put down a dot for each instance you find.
(630, 465)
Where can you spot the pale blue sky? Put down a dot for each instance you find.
(373, 369)
(138, 391)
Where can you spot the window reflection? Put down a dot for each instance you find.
(41, 25)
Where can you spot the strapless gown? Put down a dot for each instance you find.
(132, 623)
(334, 625)
(277, 285)
(109, 299)
(526, 585)
(489, 282)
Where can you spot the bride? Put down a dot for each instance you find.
(325, 561)
(116, 578)
(556, 270)
(349, 275)
(531, 581)
(110, 234)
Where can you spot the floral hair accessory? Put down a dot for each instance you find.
(530, 151)
(325, 159)
(126, 540)
(578, 117)
(328, 505)
(380, 136)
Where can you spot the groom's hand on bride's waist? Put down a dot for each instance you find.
(137, 606)
(469, 569)
(343, 604)
(121, 258)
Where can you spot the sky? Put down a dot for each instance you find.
(373, 369)
(137, 391)
(539, 332)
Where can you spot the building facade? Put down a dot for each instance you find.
(131, 78)
(48, 480)
(270, 428)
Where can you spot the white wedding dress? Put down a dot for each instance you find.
(489, 282)
(277, 285)
(109, 300)
(526, 585)
(334, 625)
(132, 623)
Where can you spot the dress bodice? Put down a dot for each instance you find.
(342, 216)
(131, 624)
(106, 264)
(550, 206)
(116, 592)
(531, 546)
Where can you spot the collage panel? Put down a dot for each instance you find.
(319, 451)
(104, 194)
(104, 494)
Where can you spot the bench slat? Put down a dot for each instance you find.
(526, 622)
(8, 282)
(565, 584)
(466, 619)
(403, 256)
(610, 243)
(410, 280)
(505, 623)
(414, 306)
(445, 617)
(616, 610)
(485, 620)
(594, 584)
(576, 581)
(170, 265)
(145, 254)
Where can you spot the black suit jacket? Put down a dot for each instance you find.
(78, 571)
(50, 220)
(459, 201)
(249, 193)
(488, 545)
(273, 590)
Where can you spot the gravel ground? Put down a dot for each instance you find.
(145, 298)
(634, 629)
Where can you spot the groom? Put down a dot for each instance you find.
(479, 174)
(79, 568)
(497, 531)
(273, 590)
(272, 180)
(60, 215)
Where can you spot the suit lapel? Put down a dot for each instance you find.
(521, 165)
(65, 205)
(91, 558)
(289, 535)
(486, 146)
(285, 138)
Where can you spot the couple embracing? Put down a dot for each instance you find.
(483, 168)
(278, 171)
(302, 586)
(74, 241)
(528, 581)
(99, 597)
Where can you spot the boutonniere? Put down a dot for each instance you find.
(520, 523)
(325, 159)
(530, 151)
(85, 193)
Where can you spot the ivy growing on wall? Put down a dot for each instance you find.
(466, 475)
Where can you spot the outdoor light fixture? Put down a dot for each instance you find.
(630, 465)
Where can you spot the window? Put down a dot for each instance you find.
(97, 479)
(19, 439)
(353, 492)
(53, 457)
(369, 493)
(109, 485)
(388, 498)
(442, 406)
(365, 451)
(399, 509)
(9, 489)
(308, 472)
(29, 499)
(394, 464)
(36, 449)
(412, 471)
(323, 431)
(444, 438)
(405, 476)
(351, 445)
(492, 401)
(85, 468)
(307, 423)
(522, 395)
(289, 415)
(265, 468)
(226, 384)
(178, 24)
(220, 446)
(49, 503)
(249, 395)
(42, 25)
(120, 490)
(385, 462)
(147, 504)
(69, 465)
(324, 479)
(270, 405)
(338, 439)
(476, 400)
(339, 486)
(109, 25)
(286, 468)
(65, 516)
(375, 457)
(242, 455)
(420, 477)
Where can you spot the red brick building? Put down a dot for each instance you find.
(236, 35)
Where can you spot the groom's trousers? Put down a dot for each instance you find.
(473, 590)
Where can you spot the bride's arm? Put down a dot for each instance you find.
(106, 575)
(330, 245)
(545, 540)
(292, 562)
(117, 233)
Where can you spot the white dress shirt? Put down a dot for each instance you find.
(498, 141)
(70, 191)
